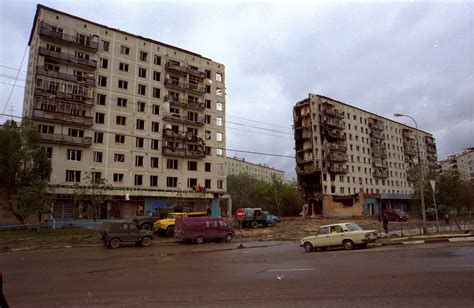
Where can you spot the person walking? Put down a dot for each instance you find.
(385, 223)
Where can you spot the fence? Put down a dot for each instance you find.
(416, 228)
(84, 223)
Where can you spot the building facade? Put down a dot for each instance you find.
(236, 166)
(351, 162)
(463, 163)
(145, 117)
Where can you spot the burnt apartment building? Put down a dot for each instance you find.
(124, 116)
(351, 162)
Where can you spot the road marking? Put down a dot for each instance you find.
(462, 239)
(413, 243)
(291, 270)
(456, 265)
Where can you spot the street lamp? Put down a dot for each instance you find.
(422, 194)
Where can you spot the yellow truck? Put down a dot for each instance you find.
(166, 225)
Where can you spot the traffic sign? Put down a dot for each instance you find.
(240, 213)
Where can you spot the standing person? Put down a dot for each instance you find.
(208, 211)
(385, 223)
(446, 218)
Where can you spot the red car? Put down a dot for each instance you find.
(395, 214)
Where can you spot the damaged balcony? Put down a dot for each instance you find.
(335, 134)
(184, 86)
(61, 117)
(337, 146)
(181, 68)
(375, 124)
(374, 134)
(183, 152)
(68, 140)
(430, 140)
(378, 163)
(89, 81)
(408, 134)
(303, 134)
(338, 169)
(81, 40)
(178, 118)
(67, 58)
(379, 153)
(380, 173)
(331, 111)
(430, 149)
(63, 90)
(409, 150)
(336, 157)
(192, 104)
(307, 169)
(431, 157)
(335, 123)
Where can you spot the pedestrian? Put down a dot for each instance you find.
(446, 218)
(385, 223)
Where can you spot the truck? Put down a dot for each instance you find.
(256, 216)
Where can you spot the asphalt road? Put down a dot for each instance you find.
(281, 275)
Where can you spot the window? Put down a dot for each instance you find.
(208, 103)
(105, 45)
(141, 106)
(98, 137)
(156, 76)
(154, 162)
(154, 144)
(208, 74)
(171, 181)
(81, 55)
(119, 138)
(99, 118)
(207, 119)
(219, 106)
(220, 184)
(96, 177)
(208, 150)
(155, 127)
(122, 84)
(73, 176)
(142, 72)
(207, 184)
(219, 137)
(97, 157)
(207, 134)
(143, 55)
(102, 81)
(156, 109)
(218, 121)
(140, 124)
(121, 120)
(219, 77)
(123, 67)
(192, 183)
(192, 165)
(219, 152)
(46, 129)
(156, 92)
(156, 60)
(119, 158)
(101, 99)
(208, 89)
(74, 155)
(118, 177)
(219, 92)
(153, 180)
(49, 151)
(172, 164)
(141, 89)
(207, 167)
(124, 50)
(53, 48)
(139, 161)
(104, 63)
(122, 102)
(139, 142)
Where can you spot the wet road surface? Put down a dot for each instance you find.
(281, 274)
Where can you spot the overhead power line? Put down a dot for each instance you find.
(14, 83)
(261, 122)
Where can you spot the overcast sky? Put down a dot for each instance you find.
(411, 58)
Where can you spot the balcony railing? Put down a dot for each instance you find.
(431, 157)
(181, 152)
(380, 173)
(184, 69)
(62, 139)
(184, 86)
(336, 134)
(68, 58)
(185, 103)
(374, 134)
(303, 160)
(334, 123)
(64, 96)
(380, 164)
(379, 154)
(409, 150)
(407, 133)
(307, 169)
(341, 147)
(430, 140)
(336, 157)
(338, 169)
(60, 117)
(430, 149)
(90, 81)
(331, 111)
(303, 134)
(183, 119)
(376, 126)
(87, 42)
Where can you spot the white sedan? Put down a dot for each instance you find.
(348, 235)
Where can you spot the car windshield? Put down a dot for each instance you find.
(353, 227)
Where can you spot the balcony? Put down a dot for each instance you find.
(335, 134)
(338, 169)
(430, 149)
(307, 169)
(198, 105)
(180, 68)
(331, 111)
(431, 157)
(336, 157)
(68, 58)
(335, 123)
(64, 96)
(64, 118)
(374, 134)
(379, 154)
(376, 126)
(181, 152)
(303, 134)
(89, 81)
(380, 173)
(178, 118)
(184, 86)
(407, 133)
(411, 151)
(84, 41)
(69, 140)
(341, 147)
(380, 164)
(430, 140)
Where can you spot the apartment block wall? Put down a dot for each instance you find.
(462, 162)
(131, 110)
(262, 172)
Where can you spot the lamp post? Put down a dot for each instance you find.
(422, 179)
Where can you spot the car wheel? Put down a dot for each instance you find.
(308, 247)
(199, 240)
(348, 244)
(228, 237)
(254, 224)
(146, 241)
(170, 231)
(146, 227)
(114, 243)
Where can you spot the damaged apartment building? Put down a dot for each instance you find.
(113, 107)
(351, 162)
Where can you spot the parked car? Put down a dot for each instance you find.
(199, 229)
(255, 216)
(395, 214)
(116, 232)
(167, 224)
(348, 235)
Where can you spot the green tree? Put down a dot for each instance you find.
(22, 163)
(34, 199)
(93, 194)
